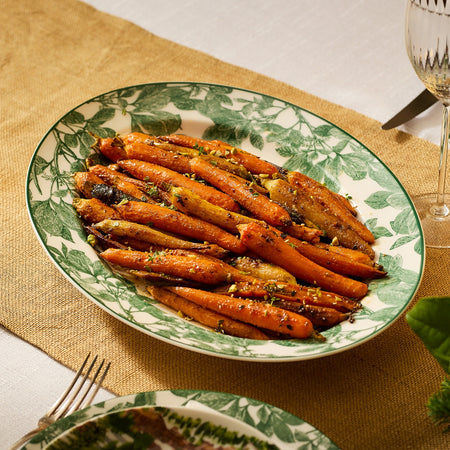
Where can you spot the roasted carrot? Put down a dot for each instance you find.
(157, 155)
(93, 210)
(354, 255)
(304, 233)
(85, 181)
(218, 322)
(259, 205)
(262, 270)
(251, 162)
(259, 314)
(290, 292)
(301, 204)
(337, 262)
(319, 316)
(120, 181)
(330, 203)
(192, 267)
(111, 148)
(186, 152)
(190, 203)
(179, 223)
(159, 175)
(271, 247)
(148, 234)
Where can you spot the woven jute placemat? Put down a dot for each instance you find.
(55, 55)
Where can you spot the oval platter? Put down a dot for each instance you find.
(220, 419)
(273, 129)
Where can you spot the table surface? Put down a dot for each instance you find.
(350, 53)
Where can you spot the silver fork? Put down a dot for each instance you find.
(72, 399)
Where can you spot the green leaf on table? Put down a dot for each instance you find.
(430, 320)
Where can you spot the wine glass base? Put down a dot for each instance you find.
(435, 221)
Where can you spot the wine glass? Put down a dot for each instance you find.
(427, 42)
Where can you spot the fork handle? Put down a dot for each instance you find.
(24, 439)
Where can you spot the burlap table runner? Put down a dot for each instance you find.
(55, 55)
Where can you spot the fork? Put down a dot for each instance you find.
(72, 399)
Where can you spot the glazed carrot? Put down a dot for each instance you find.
(329, 202)
(304, 233)
(319, 316)
(354, 255)
(85, 181)
(301, 204)
(157, 155)
(346, 202)
(185, 152)
(271, 247)
(260, 205)
(262, 270)
(179, 223)
(94, 210)
(337, 262)
(295, 293)
(261, 315)
(251, 162)
(190, 203)
(147, 234)
(159, 175)
(218, 322)
(120, 181)
(192, 267)
(111, 148)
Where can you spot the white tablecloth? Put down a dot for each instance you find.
(347, 51)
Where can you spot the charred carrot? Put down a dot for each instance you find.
(192, 267)
(319, 316)
(85, 181)
(94, 210)
(218, 322)
(159, 175)
(337, 262)
(310, 211)
(354, 255)
(330, 203)
(260, 205)
(120, 181)
(179, 223)
(261, 315)
(271, 247)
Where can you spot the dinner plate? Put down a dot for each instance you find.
(199, 416)
(273, 129)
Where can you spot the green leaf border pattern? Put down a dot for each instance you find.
(279, 427)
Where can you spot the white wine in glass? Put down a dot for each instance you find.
(427, 42)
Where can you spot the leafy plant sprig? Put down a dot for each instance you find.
(430, 319)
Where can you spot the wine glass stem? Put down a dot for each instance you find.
(441, 209)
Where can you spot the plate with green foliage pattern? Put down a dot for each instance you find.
(275, 130)
(182, 419)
